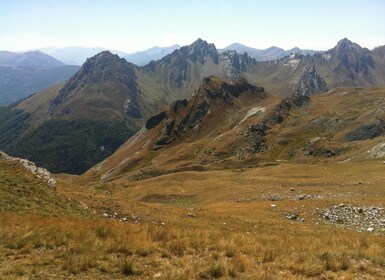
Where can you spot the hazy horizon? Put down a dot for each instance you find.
(131, 26)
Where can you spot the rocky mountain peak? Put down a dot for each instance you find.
(103, 61)
(294, 50)
(101, 68)
(351, 58)
(346, 45)
(200, 50)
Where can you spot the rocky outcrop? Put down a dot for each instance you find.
(235, 64)
(155, 120)
(316, 149)
(255, 134)
(310, 83)
(377, 151)
(367, 131)
(39, 172)
(226, 91)
(185, 116)
(175, 129)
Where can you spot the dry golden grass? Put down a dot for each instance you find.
(216, 225)
(208, 237)
(54, 247)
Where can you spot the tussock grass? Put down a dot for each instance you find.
(216, 238)
(93, 248)
(21, 191)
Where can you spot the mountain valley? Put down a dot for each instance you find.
(203, 164)
(109, 99)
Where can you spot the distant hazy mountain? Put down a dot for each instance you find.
(154, 53)
(22, 74)
(76, 55)
(17, 83)
(28, 59)
(271, 53)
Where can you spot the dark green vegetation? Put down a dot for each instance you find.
(63, 146)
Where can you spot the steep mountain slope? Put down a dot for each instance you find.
(348, 64)
(91, 85)
(74, 125)
(237, 124)
(154, 53)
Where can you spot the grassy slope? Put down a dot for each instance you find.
(23, 192)
(329, 117)
(204, 225)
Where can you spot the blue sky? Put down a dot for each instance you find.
(134, 25)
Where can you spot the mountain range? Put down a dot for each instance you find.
(155, 53)
(78, 55)
(74, 125)
(271, 53)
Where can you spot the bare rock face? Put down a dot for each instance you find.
(39, 172)
(310, 83)
(235, 64)
(184, 116)
(255, 134)
(370, 130)
(155, 120)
